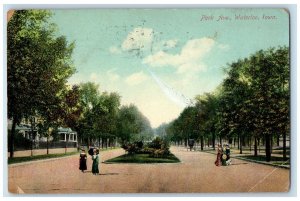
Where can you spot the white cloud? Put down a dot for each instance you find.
(224, 47)
(136, 78)
(189, 59)
(114, 50)
(109, 75)
(139, 38)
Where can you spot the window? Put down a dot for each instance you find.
(62, 136)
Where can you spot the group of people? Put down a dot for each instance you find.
(223, 155)
(95, 157)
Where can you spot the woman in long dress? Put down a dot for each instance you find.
(218, 161)
(82, 161)
(95, 158)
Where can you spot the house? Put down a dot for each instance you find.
(67, 135)
(24, 128)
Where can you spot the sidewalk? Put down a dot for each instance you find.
(235, 153)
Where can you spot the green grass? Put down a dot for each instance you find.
(263, 158)
(143, 158)
(38, 157)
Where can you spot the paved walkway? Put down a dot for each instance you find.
(195, 174)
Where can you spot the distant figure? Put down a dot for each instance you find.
(82, 161)
(227, 151)
(191, 143)
(219, 155)
(95, 158)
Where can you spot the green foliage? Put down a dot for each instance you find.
(132, 125)
(20, 141)
(143, 158)
(158, 148)
(38, 66)
(252, 101)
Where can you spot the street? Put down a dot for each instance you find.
(196, 173)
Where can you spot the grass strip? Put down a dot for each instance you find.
(38, 157)
(142, 158)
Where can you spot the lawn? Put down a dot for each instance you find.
(276, 160)
(142, 158)
(38, 157)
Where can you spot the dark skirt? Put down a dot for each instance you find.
(95, 168)
(82, 163)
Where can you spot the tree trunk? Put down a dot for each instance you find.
(47, 144)
(250, 144)
(213, 140)
(32, 135)
(12, 139)
(202, 142)
(66, 146)
(284, 146)
(268, 147)
(241, 144)
(258, 144)
(278, 140)
(255, 146)
(238, 141)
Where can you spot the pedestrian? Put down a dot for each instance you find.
(227, 151)
(219, 155)
(95, 158)
(82, 161)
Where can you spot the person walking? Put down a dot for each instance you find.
(95, 158)
(218, 161)
(82, 161)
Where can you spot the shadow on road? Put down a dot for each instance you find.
(110, 174)
(239, 163)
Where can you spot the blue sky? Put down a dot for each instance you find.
(160, 59)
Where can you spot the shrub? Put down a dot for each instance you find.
(158, 148)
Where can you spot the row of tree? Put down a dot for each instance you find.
(39, 64)
(252, 102)
(103, 118)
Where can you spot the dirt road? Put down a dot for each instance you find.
(195, 174)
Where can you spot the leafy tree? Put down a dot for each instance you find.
(131, 123)
(268, 74)
(38, 66)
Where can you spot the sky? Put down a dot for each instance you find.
(160, 59)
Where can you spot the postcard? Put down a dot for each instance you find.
(148, 100)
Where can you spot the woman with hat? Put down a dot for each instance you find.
(95, 158)
(82, 161)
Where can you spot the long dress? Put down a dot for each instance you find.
(219, 156)
(95, 168)
(82, 162)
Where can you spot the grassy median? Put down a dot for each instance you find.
(143, 158)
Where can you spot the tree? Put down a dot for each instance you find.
(207, 106)
(131, 123)
(106, 113)
(38, 66)
(268, 73)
